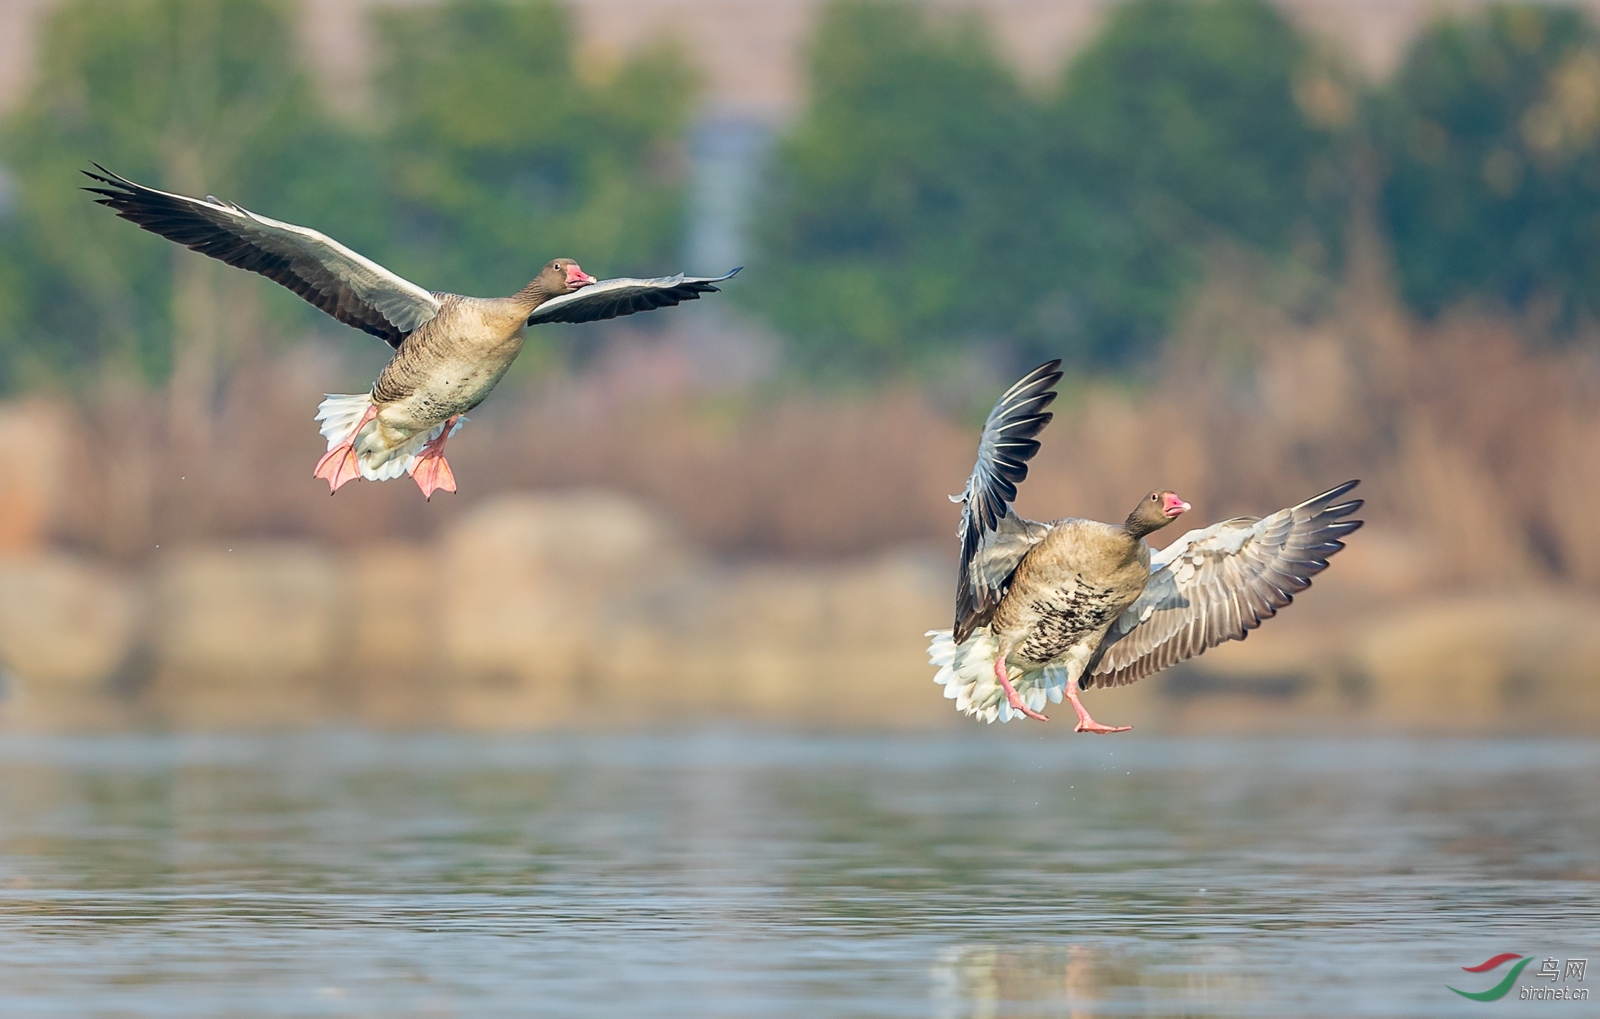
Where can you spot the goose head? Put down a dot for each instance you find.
(1155, 511)
(562, 276)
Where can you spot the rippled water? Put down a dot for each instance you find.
(764, 874)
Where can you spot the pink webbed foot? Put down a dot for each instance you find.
(1086, 723)
(432, 474)
(432, 471)
(340, 464)
(1012, 697)
(1092, 726)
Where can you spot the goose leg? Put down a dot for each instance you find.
(339, 464)
(432, 471)
(1085, 723)
(1012, 698)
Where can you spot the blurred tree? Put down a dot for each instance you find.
(1491, 135)
(1184, 123)
(924, 202)
(891, 218)
(504, 155)
(197, 96)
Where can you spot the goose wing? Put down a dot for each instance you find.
(993, 538)
(1218, 583)
(355, 290)
(625, 296)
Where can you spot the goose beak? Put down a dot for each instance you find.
(1173, 506)
(577, 278)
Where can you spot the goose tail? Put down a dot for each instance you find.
(378, 458)
(339, 414)
(966, 671)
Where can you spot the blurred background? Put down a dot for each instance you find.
(1278, 245)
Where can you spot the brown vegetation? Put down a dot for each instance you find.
(267, 603)
(1478, 443)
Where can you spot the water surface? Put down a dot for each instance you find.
(772, 874)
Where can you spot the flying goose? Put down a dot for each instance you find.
(450, 350)
(1046, 609)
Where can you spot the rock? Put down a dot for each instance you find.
(1525, 661)
(529, 579)
(68, 631)
(579, 608)
(397, 664)
(396, 606)
(36, 434)
(842, 643)
(582, 608)
(250, 637)
(65, 624)
(837, 644)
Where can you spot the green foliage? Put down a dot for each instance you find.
(890, 216)
(1196, 102)
(1180, 126)
(494, 156)
(925, 201)
(1491, 135)
(193, 95)
(505, 157)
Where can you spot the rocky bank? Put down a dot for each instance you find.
(584, 609)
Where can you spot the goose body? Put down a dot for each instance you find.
(1044, 610)
(441, 371)
(450, 350)
(1068, 589)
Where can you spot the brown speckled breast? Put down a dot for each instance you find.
(1069, 588)
(449, 365)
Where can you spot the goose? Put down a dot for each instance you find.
(449, 350)
(1044, 610)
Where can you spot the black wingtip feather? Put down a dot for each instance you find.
(192, 223)
(1006, 445)
(1331, 494)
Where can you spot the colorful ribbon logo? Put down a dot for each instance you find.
(1501, 989)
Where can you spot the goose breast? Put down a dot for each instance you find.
(451, 364)
(1069, 588)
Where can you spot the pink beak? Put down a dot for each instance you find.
(577, 278)
(1173, 506)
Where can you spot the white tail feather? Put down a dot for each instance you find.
(339, 415)
(379, 461)
(966, 671)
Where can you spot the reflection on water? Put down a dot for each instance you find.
(729, 874)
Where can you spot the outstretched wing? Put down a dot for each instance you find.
(624, 296)
(355, 290)
(1219, 582)
(993, 538)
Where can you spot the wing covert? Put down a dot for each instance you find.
(625, 296)
(352, 288)
(1218, 583)
(993, 538)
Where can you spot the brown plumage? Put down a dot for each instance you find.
(449, 364)
(1076, 580)
(450, 350)
(1044, 609)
